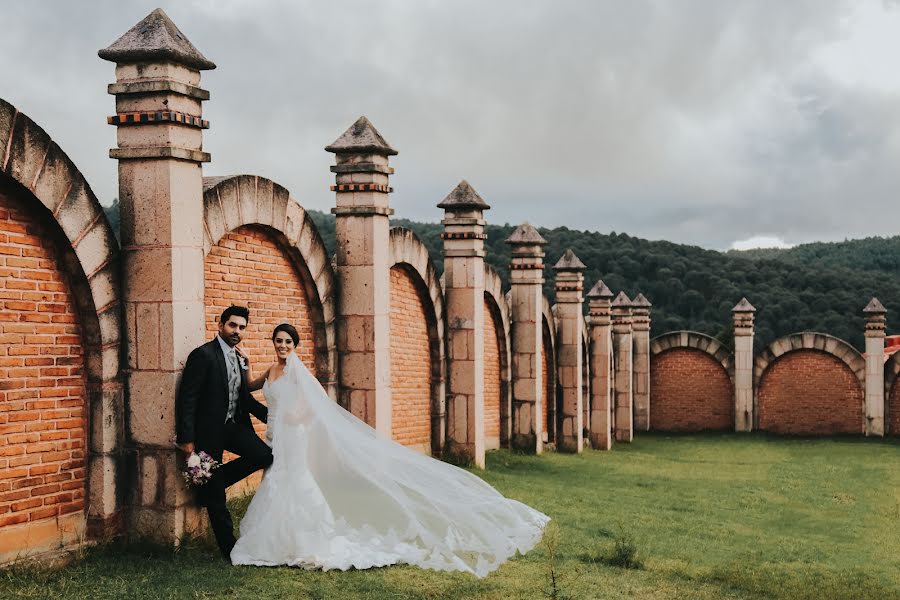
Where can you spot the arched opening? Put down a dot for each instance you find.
(412, 369)
(45, 338)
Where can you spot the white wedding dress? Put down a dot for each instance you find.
(340, 496)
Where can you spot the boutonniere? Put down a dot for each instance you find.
(242, 361)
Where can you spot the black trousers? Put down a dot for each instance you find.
(253, 455)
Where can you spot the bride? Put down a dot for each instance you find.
(340, 496)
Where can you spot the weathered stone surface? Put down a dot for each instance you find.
(874, 307)
(599, 291)
(27, 151)
(7, 118)
(463, 197)
(569, 262)
(156, 38)
(640, 301)
(525, 234)
(743, 306)
(360, 138)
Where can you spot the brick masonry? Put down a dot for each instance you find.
(43, 416)
(812, 393)
(892, 412)
(689, 391)
(411, 371)
(491, 379)
(247, 267)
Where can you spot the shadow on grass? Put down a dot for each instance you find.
(797, 582)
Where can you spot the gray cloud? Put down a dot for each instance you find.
(697, 121)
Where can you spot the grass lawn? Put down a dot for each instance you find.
(711, 516)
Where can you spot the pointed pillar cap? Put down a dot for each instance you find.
(362, 137)
(569, 262)
(874, 307)
(462, 197)
(156, 38)
(743, 306)
(526, 234)
(640, 301)
(621, 301)
(600, 291)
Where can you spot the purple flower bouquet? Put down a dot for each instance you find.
(200, 467)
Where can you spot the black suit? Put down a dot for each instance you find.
(200, 411)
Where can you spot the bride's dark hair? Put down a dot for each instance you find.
(288, 329)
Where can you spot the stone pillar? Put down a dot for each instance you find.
(743, 365)
(570, 344)
(601, 361)
(622, 342)
(160, 153)
(875, 323)
(526, 274)
(640, 308)
(362, 234)
(464, 298)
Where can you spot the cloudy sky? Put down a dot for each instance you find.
(706, 122)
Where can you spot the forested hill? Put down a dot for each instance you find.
(819, 287)
(869, 254)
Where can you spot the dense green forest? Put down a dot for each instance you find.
(814, 287)
(818, 287)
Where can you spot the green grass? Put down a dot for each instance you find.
(712, 516)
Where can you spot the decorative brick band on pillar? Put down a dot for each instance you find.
(570, 347)
(875, 324)
(624, 374)
(161, 191)
(640, 308)
(744, 417)
(464, 295)
(599, 299)
(526, 274)
(362, 235)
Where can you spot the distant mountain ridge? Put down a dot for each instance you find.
(821, 286)
(813, 287)
(867, 254)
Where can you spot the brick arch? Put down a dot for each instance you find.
(232, 270)
(892, 394)
(237, 201)
(65, 267)
(408, 255)
(691, 383)
(821, 342)
(549, 408)
(496, 387)
(697, 341)
(810, 384)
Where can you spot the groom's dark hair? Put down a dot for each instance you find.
(235, 311)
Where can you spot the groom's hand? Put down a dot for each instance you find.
(187, 448)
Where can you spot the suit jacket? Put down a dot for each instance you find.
(202, 401)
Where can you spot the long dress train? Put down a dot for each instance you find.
(341, 496)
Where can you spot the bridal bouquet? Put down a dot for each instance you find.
(200, 466)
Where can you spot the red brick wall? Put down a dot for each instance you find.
(893, 409)
(248, 268)
(491, 376)
(689, 391)
(547, 394)
(43, 418)
(810, 392)
(410, 364)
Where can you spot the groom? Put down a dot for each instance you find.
(212, 413)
